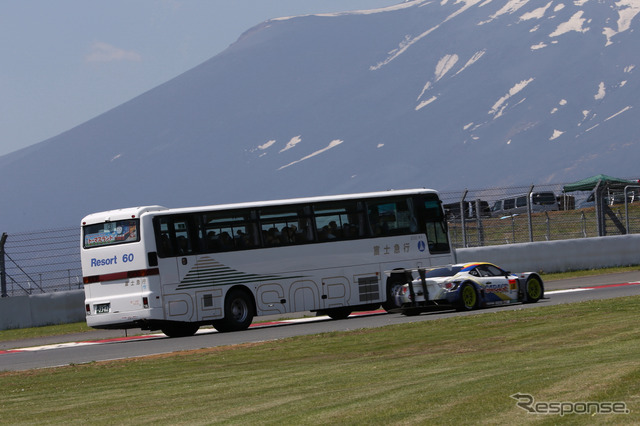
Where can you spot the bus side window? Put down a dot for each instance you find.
(172, 236)
(338, 221)
(163, 236)
(285, 225)
(227, 231)
(164, 245)
(184, 244)
(392, 217)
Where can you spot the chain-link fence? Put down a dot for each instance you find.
(540, 213)
(48, 261)
(40, 262)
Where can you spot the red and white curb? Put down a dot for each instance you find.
(161, 335)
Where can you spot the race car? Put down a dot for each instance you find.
(466, 286)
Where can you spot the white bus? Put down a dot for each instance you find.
(178, 269)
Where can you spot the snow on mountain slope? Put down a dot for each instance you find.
(444, 94)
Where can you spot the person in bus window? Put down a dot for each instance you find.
(226, 243)
(183, 245)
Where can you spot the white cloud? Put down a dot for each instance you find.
(104, 52)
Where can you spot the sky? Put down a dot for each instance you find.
(64, 62)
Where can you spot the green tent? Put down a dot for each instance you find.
(590, 183)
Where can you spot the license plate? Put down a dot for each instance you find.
(102, 308)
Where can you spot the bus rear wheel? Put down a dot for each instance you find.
(393, 284)
(238, 312)
(180, 329)
(339, 313)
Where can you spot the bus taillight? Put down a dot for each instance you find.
(88, 309)
(145, 302)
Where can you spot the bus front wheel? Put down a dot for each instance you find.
(238, 312)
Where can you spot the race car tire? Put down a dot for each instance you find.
(534, 289)
(468, 300)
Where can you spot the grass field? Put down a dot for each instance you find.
(447, 371)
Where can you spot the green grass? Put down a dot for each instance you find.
(448, 371)
(49, 330)
(589, 272)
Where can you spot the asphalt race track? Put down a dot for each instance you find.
(110, 346)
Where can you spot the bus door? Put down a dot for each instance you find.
(176, 244)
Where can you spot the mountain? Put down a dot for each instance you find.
(440, 94)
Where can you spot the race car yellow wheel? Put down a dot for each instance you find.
(468, 298)
(534, 289)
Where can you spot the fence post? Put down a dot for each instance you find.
(462, 217)
(529, 214)
(3, 272)
(479, 224)
(598, 194)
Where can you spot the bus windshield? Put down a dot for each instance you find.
(110, 233)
